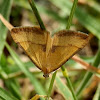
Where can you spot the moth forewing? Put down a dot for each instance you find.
(65, 45)
(47, 53)
(33, 40)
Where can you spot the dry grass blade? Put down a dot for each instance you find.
(6, 23)
(86, 65)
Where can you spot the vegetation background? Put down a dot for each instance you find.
(20, 79)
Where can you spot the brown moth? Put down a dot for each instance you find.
(46, 52)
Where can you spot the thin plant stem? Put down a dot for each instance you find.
(43, 27)
(32, 4)
(65, 74)
(51, 85)
(64, 71)
(86, 65)
(71, 14)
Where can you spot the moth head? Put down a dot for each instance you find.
(46, 75)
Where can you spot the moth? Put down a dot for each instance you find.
(46, 52)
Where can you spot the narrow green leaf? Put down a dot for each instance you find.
(11, 84)
(41, 9)
(5, 95)
(1, 98)
(95, 5)
(37, 86)
(88, 21)
(83, 17)
(63, 89)
(97, 94)
(51, 85)
(14, 89)
(3, 60)
(5, 9)
(37, 15)
(89, 75)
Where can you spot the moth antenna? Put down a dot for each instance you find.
(6, 23)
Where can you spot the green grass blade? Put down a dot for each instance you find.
(6, 96)
(69, 84)
(11, 84)
(83, 17)
(97, 94)
(42, 9)
(51, 85)
(89, 75)
(64, 89)
(88, 22)
(1, 98)
(37, 15)
(93, 4)
(5, 9)
(37, 86)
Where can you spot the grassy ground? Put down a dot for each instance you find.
(19, 77)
